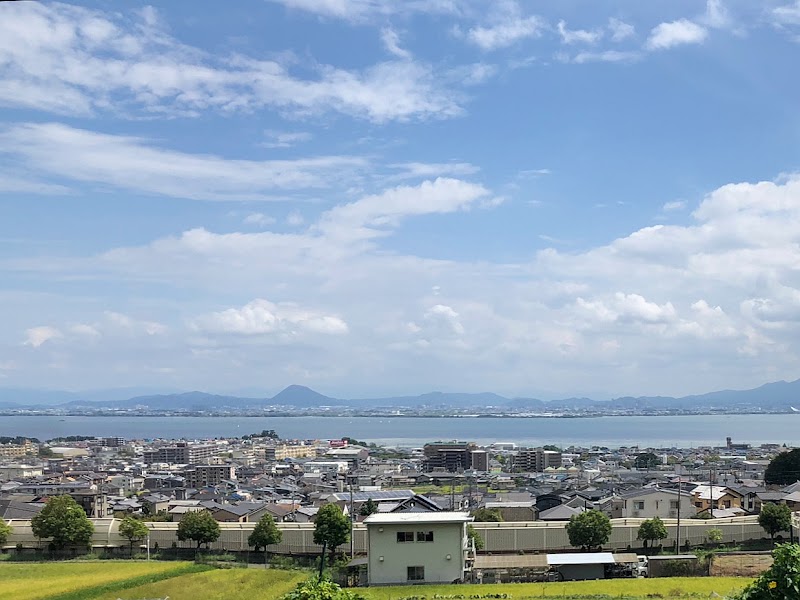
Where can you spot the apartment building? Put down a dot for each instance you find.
(447, 456)
(534, 460)
(284, 451)
(181, 453)
(208, 475)
(17, 450)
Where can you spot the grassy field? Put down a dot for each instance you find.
(65, 580)
(668, 588)
(225, 584)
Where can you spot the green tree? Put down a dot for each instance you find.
(781, 581)
(63, 520)
(133, 530)
(5, 532)
(646, 460)
(199, 527)
(487, 515)
(476, 538)
(331, 527)
(784, 469)
(775, 518)
(589, 530)
(368, 508)
(266, 533)
(651, 530)
(324, 589)
(714, 535)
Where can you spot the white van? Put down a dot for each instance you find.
(642, 567)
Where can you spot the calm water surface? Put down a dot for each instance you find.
(604, 431)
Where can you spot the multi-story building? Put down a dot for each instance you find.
(534, 460)
(181, 453)
(447, 456)
(205, 475)
(480, 460)
(17, 450)
(112, 442)
(284, 451)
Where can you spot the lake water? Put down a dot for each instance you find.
(684, 431)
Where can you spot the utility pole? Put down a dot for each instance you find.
(678, 532)
(711, 492)
(352, 518)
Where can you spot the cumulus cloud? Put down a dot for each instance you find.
(677, 308)
(261, 317)
(676, 33)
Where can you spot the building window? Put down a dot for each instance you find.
(638, 506)
(673, 504)
(727, 503)
(424, 536)
(416, 573)
(405, 536)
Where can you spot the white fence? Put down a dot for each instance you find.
(509, 537)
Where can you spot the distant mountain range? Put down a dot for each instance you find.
(773, 397)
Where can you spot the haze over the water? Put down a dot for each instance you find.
(377, 198)
(613, 432)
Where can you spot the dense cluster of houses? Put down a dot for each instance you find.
(241, 480)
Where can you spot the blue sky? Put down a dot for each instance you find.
(376, 197)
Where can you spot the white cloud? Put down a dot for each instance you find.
(36, 336)
(77, 61)
(366, 10)
(261, 317)
(418, 170)
(505, 26)
(620, 30)
(391, 41)
(788, 14)
(285, 139)
(135, 164)
(370, 216)
(578, 36)
(120, 322)
(295, 219)
(86, 330)
(676, 33)
(676, 308)
(717, 15)
(603, 56)
(259, 220)
(674, 205)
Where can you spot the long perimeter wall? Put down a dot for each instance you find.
(509, 537)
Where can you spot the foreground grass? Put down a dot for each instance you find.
(673, 587)
(79, 580)
(225, 584)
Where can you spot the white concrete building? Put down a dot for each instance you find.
(412, 548)
(647, 503)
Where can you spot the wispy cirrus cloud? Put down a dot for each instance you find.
(505, 25)
(137, 164)
(78, 61)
